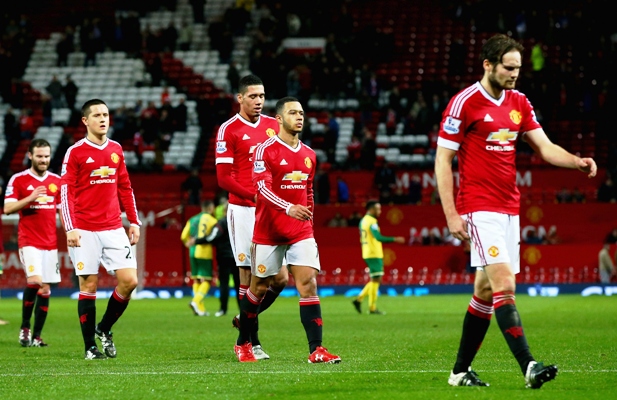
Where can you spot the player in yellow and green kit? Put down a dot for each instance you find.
(372, 253)
(200, 255)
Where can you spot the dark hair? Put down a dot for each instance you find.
(207, 203)
(249, 80)
(280, 105)
(85, 109)
(370, 204)
(498, 45)
(38, 143)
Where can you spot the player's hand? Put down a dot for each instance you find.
(134, 234)
(399, 239)
(458, 227)
(300, 212)
(73, 238)
(39, 191)
(587, 165)
(190, 242)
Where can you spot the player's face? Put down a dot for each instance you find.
(377, 210)
(293, 117)
(252, 102)
(40, 157)
(97, 121)
(503, 75)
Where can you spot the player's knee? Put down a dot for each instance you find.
(280, 281)
(35, 280)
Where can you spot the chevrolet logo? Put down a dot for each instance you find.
(296, 176)
(44, 199)
(103, 172)
(503, 136)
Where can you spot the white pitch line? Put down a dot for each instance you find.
(17, 375)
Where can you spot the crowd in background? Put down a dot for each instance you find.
(576, 85)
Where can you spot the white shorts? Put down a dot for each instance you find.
(111, 249)
(240, 221)
(269, 259)
(43, 263)
(495, 238)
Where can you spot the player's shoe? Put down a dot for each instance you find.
(235, 322)
(93, 353)
(377, 312)
(321, 355)
(244, 352)
(38, 342)
(537, 374)
(107, 340)
(358, 305)
(220, 313)
(193, 306)
(25, 337)
(469, 378)
(259, 353)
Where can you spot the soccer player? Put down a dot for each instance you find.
(481, 125)
(236, 141)
(199, 226)
(283, 174)
(94, 183)
(372, 253)
(34, 193)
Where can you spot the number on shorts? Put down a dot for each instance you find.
(128, 252)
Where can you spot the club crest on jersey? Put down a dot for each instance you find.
(270, 132)
(115, 158)
(308, 162)
(221, 147)
(53, 188)
(259, 167)
(516, 117)
(451, 125)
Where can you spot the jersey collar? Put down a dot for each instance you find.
(490, 98)
(38, 178)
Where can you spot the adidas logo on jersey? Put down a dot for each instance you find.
(246, 137)
(89, 160)
(488, 118)
(283, 162)
(30, 187)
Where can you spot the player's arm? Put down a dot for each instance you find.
(445, 186)
(226, 182)
(68, 182)
(185, 235)
(310, 192)
(12, 205)
(384, 239)
(211, 237)
(557, 155)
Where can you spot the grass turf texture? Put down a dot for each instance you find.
(164, 351)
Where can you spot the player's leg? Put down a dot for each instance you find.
(365, 290)
(303, 261)
(475, 325)
(32, 262)
(276, 287)
(503, 283)
(376, 271)
(51, 274)
(224, 272)
(203, 278)
(193, 304)
(117, 256)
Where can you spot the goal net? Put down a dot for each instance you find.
(13, 276)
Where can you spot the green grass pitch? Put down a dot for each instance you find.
(164, 352)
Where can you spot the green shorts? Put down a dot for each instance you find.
(201, 268)
(375, 266)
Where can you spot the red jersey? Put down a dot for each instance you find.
(283, 176)
(37, 220)
(485, 131)
(235, 143)
(94, 179)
